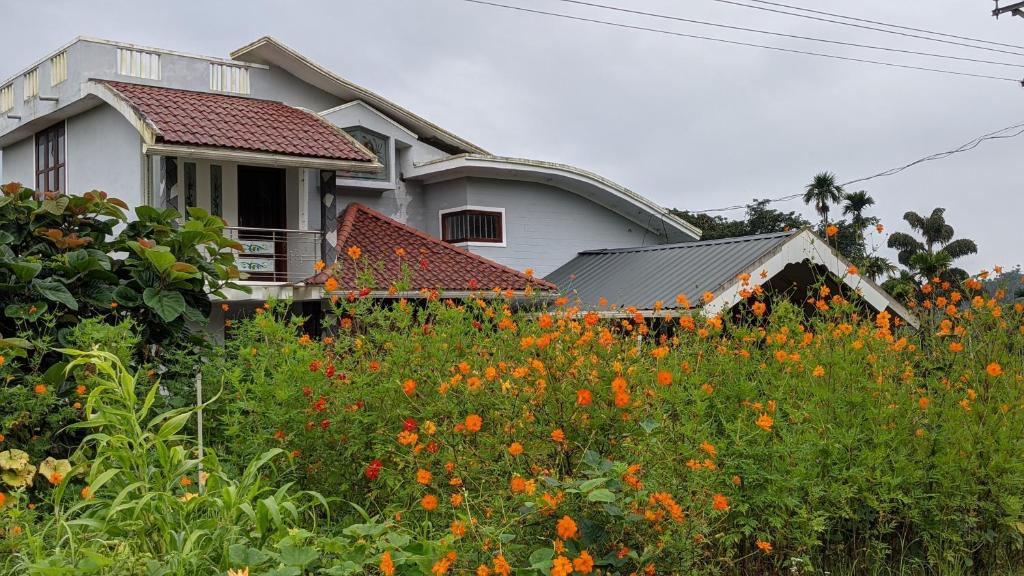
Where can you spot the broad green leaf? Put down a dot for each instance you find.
(593, 483)
(601, 495)
(31, 311)
(162, 259)
(299, 556)
(125, 296)
(169, 305)
(25, 271)
(55, 291)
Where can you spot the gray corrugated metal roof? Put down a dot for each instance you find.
(641, 276)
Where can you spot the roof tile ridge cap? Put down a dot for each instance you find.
(109, 84)
(188, 91)
(392, 222)
(346, 222)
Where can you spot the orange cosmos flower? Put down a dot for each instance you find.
(994, 369)
(3, 499)
(818, 371)
(319, 265)
(566, 528)
(515, 449)
(458, 529)
(557, 435)
(766, 547)
(354, 252)
(765, 422)
(473, 423)
(517, 484)
(409, 386)
(86, 493)
(719, 502)
(664, 377)
(923, 402)
(387, 567)
(424, 476)
(331, 284)
(708, 297)
(832, 230)
(584, 397)
(561, 566)
(40, 389)
(584, 563)
(429, 502)
(852, 270)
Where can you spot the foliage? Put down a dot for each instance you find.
(933, 255)
(64, 272)
(760, 219)
(822, 192)
(139, 500)
(766, 444)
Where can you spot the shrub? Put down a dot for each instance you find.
(761, 445)
(62, 265)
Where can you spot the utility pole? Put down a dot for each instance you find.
(1016, 9)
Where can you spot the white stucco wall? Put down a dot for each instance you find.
(104, 152)
(545, 227)
(18, 163)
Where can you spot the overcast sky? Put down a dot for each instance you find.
(688, 123)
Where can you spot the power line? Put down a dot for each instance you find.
(971, 145)
(784, 35)
(880, 23)
(738, 43)
(864, 27)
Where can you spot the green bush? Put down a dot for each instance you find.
(836, 443)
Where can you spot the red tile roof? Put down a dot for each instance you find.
(433, 264)
(222, 121)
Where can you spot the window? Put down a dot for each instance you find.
(226, 78)
(377, 144)
(216, 190)
(190, 185)
(138, 63)
(31, 83)
(58, 68)
(6, 98)
(169, 186)
(51, 172)
(473, 225)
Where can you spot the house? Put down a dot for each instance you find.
(720, 272)
(303, 164)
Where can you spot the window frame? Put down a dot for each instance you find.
(43, 168)
(483, 210)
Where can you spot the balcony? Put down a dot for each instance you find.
(276, 256)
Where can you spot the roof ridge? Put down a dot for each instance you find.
(693, 244)
(348, 220)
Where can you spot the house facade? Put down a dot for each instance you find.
(279, 147)
(304, 165)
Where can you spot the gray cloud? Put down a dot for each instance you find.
(690, 124)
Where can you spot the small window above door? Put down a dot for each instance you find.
(473, 225)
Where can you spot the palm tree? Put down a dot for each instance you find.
(933, 255)
(856, 203)
(822, 192)
(875, 267)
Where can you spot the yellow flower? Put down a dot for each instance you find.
(239, 572)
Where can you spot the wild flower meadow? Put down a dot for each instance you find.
(437, 436)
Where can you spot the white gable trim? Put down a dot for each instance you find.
(268, 50)
(654, 217)
(805, 245)
(374, 111)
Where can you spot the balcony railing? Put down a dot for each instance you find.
(276, 255)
